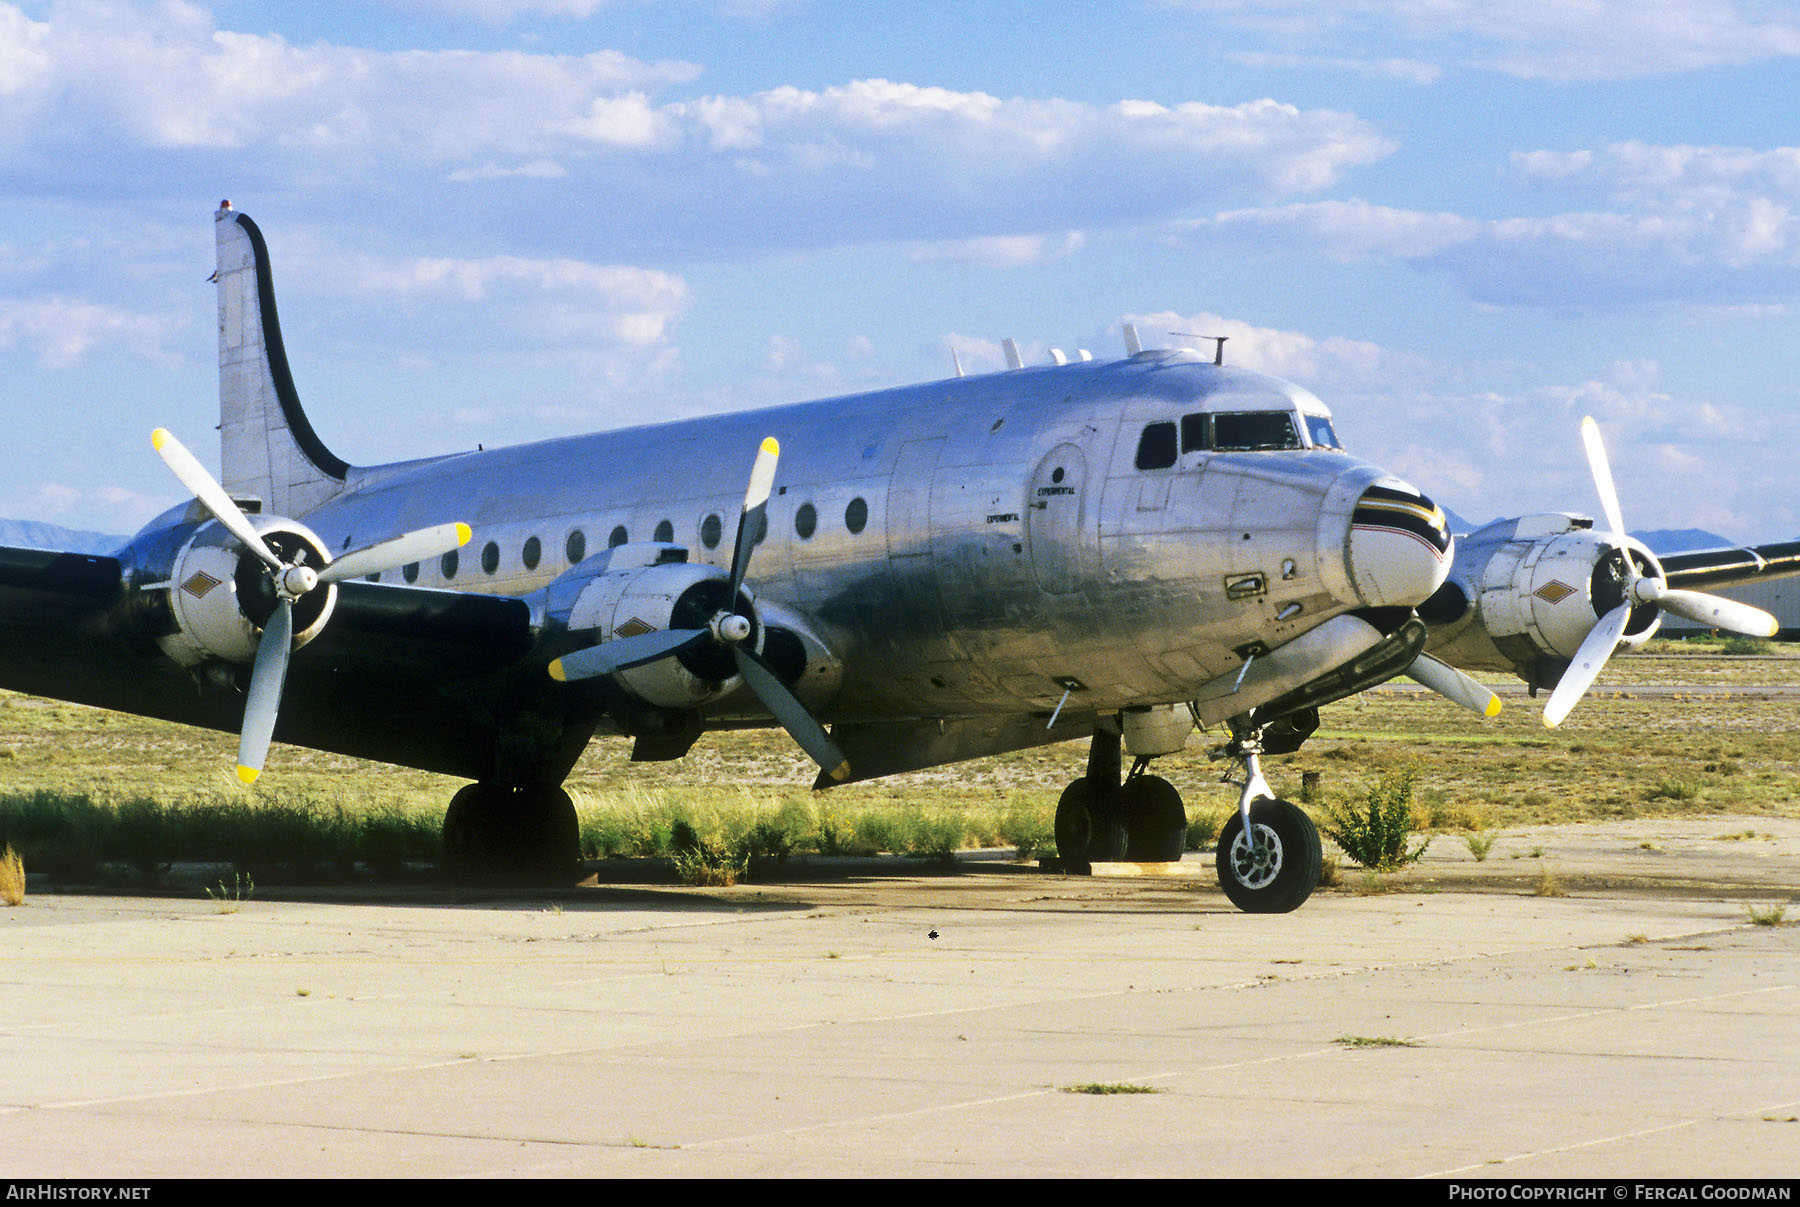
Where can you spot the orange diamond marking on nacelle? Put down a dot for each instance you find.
(633, 627)
(200, 584)
(1554, 591)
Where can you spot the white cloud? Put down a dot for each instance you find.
(1001, 251)
(1699, 225)
(1409, 71)
(161, 96)
(1570, 40)
(61, 332)
(1317, 364)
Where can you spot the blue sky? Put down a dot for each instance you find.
(1463, 223)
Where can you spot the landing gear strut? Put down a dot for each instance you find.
(1268, 857)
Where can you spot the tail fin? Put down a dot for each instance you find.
(270, 451)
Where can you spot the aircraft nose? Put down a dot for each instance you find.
(1399, 547)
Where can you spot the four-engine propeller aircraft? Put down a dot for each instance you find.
(938, 572)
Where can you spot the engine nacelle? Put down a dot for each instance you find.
(206, 598)
(1523, 594)
(644, 588)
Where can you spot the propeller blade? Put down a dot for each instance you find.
(1603, 479)
(785, 706)
(1454, 686)
(756, 503)
(1595, 649)
(193, 475)
(623, 653)
(1715, 611)
(267, 676)
(396, 551)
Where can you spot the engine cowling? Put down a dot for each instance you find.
(205, 598)
(647, 588)
(1523, 594)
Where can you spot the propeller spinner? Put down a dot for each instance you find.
(291, 580)
(1637, 589)
(727, 629)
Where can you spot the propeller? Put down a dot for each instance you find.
(291, 580)
(727, 629)
(1638, 589)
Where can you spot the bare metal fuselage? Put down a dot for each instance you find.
(964, 548)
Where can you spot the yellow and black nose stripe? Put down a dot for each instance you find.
(1385, 509)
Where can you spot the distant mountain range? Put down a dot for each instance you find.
(32, 534)
(1660, 540)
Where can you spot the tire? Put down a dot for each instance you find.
(1086, 832)
(527, 834)
(1155, 822)
(1284, 870)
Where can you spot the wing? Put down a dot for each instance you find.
(1712, 568)
(401, 675)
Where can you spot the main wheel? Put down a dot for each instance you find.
(1281, 870)
(526, 833)
(1088, 830)
(1155, 822)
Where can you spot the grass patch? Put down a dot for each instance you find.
(1375, 1041)
(230, 897)
(1480, 845)
(1768, 915)
(1111, 1087)
(12, 878)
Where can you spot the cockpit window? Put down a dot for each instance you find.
(1249, 431)
(1319, 428)
(1195, 434)
(1156, 447)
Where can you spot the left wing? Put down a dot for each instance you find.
(400, 674)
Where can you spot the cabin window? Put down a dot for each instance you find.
(374, 578)
(575, 548)
(490, 557)
(856, 516)
(1253, 431)
(1320, 429)
(710, 530)
(410, 572)
(665, 533)
(618, 537)
(806, 521)
(533, 551)
(1156, 447)
(447, 564)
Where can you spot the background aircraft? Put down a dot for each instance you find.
(939, 572)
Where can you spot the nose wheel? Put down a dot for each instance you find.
(1268, 857)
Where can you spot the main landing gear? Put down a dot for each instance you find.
(528, 833)
(1100, 820)
(1268, 854)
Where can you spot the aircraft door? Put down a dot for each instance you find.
(1055, 527)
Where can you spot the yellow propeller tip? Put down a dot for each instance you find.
(464, 534)
(841, 772)
(158, 438)
(556, 671)
(770, 446)
(1493, 708)
(248, 774)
